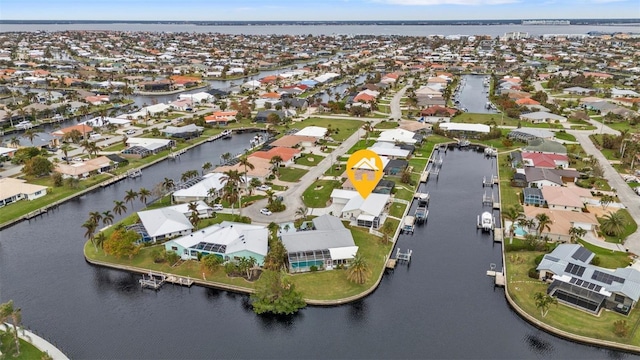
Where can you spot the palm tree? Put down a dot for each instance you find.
(99, 240)
(543, 302)
(230, 194)
(576, 233)
(14, 142)
(225, 157)
(9, 116)
(30, 134)
(168, 184)
(65, 150)
(302, 212)
(233, 179)
(192, 206)
(543, 223)
(130, 196)
(194, 219)
(119, 207)
(514, 214)
(95, 217)
(244, 161)
(90, 227)
(613, 224)
(359, 270)
(7, 311)
(276, 160)
(143, 194)
(206, 167)
(188, 175)
(107, 218)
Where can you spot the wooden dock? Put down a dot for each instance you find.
(498, 235)
(497, 275)
(424, 176)
(113, 180)
(179, 280)
(496, 205)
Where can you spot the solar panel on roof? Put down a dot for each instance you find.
(606, 278)
(581, 254)
(575, 269)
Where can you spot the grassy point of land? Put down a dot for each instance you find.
(345, 127)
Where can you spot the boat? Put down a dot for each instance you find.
(463, 143)
(226, 134)
(24, 125)
(486, 221)
(409, 224)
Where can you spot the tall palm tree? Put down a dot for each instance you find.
(232, 180)
(543, 223)
(244, 161)
(194, 219)
(119, 207)
(99, 240)
(230, 194)
(143, 194)
(65, 150)
(576, 233)
(276, 160)
(168, 184)
(107, 218)
(359, 270)
(9, 116)
(270, 196)
(8, 311)
(613, 224)
(14, 142)
(90, 227)
(514, 214)
(130, 196)
(192, 206)
(226, 157)
(95, 217)
(206, 167)
(30, 134)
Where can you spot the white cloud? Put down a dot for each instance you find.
(454, 2)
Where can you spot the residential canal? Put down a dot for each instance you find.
(440, 306)
(473, 94)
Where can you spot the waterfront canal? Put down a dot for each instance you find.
(473, 94)
(440, 306)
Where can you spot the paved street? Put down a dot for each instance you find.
(293, 195)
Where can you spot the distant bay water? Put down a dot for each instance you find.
(330, 29)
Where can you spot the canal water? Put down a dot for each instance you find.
(442, 305)
(473, 95)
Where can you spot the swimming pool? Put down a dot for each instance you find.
(519, 231)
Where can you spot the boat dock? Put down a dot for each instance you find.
(498, 235)
(176, 154)
(113, 180)
(134, 173)
(155, 281)
(497, 275)
(490, 182)
(406, 256)
(424, 176)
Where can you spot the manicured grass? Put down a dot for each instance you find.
(629, 228)
(418, 164)
(115, 147)
(336, 170)
(387, 125)
(27, 351)
(608, 259)
(316, 197)
(384, 108)
(361, 144)
(522, 290)
(290, 174)
(327, 285)
(487, 119)
(561, 135)
(509, 195)
(397, 209)
(309, 159)
(345, 128)
(404, 194)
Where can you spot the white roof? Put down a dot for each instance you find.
(100, 121)
(347, 252)
(481, 128)
(542, 115)
(365, 217)
(201, 189)
(389, 149)
(399, 135)
(164, 221)
(11, 187)
(182, 129)
(148, 143)
(196, 97)
(5, 150)
(314, 131)
(372, 205)
(235, 236)
(184, 208)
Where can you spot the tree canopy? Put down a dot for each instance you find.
(275, 294)
(37, 166)
(121, 243)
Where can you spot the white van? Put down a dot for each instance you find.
(95, 137)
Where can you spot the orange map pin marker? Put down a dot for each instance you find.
(364, 169)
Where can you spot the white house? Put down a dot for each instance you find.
(390, 150)
(398, 136)
(367, 212)
(164, 223)
(541, 117)
(314, 131)
(207, 189)
(12, 190)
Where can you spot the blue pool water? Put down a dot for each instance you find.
(519, 231)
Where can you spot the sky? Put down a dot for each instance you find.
(315, 9)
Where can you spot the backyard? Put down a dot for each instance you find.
(318, 194)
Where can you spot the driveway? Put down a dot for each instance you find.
(293, 195)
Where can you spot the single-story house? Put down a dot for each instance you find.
(569, 198)
(313, 131)
(539, 177)
(142, 147)
(184, 132)
(466, 128)
(8, 152)
(262, 116)
(164, 223)
(545, 146)
(576, 282)
(399, 136)
(544, 160)
(395, 166)
(221, 118)
(292, 141)
(261, 168)
(367, 212)
(328, 246)
(229, 240)
(542, 117)
(207, 189)
(81, 170)
(390, 150)
(12, 190)
(528, 134)
(288, 155)
(563, 221)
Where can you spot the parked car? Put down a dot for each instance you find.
(263, 188)
(130, 132)
(217, 207)
(265, 211)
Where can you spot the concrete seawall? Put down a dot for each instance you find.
(35, 340)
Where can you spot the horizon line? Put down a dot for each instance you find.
(353, 20)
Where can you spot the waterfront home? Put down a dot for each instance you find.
(528, 134)
(312, 131)
(390, 150)
(142, 147)
(395, 167)
(221, 118)
(545, 160)
(207, 189)
(465, 129)
(261, 168)
(369, 212)
(533, 196)
(546, 147)
(568, 198)
(8, 152)
(84, 169)
(539, 177)
(163, 223)
(262, 116)
(292, 141)
(575, 282)
(563, 221)
(12, 190)
(183, 132)
(229, 240)
(200, 97)
(288, 155)
(329, 245)
(83, 129)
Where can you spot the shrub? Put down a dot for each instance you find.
(533, 273)
(620, 328)
(595, 261)
(172, 257)
(313, 268)
(538, 259)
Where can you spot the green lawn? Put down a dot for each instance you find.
(397, 209)
(629, 229)
(608, 259)
(522, 290)
(561, 135)
(345, 128)
(418, 164)
(327, 285)
(509, 195)
(290, 174)
(309, 159)
(487, 119)
(387, 125)
(361, 144)
(27, 351)
(336, 170)
(115, 147)
(318, 194)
